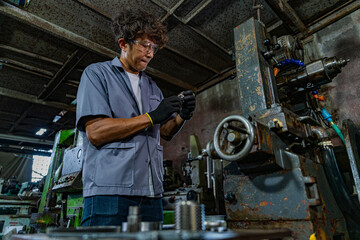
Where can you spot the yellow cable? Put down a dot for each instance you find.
(150, 119)
(313, 237)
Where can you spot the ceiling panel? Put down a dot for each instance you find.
(16, 80)
(27, 38)
(188, 42)
(180, 68)
(75, 17)
(218, 19)
(308, 11)
(186, 7)
(12, 105)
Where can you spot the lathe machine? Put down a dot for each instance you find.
(283, 171)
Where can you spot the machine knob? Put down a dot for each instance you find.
(230, 197)
(172, 199)
(234, 138)
(277, 46)
(191, 196)
(266, 42)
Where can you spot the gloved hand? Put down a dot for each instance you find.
(167, 107)
(188, 105)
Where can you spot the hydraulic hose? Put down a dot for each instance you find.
(340, 191)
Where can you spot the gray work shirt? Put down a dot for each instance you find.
(122, 167)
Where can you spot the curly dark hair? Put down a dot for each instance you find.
(130, 24)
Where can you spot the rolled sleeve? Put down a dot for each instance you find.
(92, 97)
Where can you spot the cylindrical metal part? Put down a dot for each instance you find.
(208, 171)
(319, 72)
(133, 219)
(189, 216)
(151, 226)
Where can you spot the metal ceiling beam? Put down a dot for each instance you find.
(33, 99)
(192, 28)
(39, 23)
(26, 66)
(287, 14)
(53, 29)
(30, 54)
(23, 115)
(274, 26)
(171, 10)
(191, 59)
(219, 78)
(94, 8)
(172, 80)
(9, 114)
(11, 137)
(332, 12)
(336, 15)
(196, 10)
(107, 15)
(25, 70)
(33, 121)
(208, 38)
(23, 150)
(64, 71)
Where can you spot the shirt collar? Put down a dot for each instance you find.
(116, 62)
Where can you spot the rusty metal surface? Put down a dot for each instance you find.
(301, 229)
(282, 121)
(279, 196)
(283, 198)
(253, 72)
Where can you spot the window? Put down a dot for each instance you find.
(40, 167)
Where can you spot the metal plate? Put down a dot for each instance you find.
(73, 159)
(352, 142)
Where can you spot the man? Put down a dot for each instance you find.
(121, 114)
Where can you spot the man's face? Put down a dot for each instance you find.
(138, 55)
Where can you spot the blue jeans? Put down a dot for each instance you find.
(113, 210)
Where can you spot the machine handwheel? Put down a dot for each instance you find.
(233, 138)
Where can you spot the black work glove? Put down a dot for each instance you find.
(188, 105)
(167, 107)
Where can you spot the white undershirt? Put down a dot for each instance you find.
(135, 85)
(135, 80)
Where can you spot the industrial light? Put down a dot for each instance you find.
(59, 115)
(41, 132)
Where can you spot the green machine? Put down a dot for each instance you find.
(61, 201)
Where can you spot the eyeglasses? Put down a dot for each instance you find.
(146, 46)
